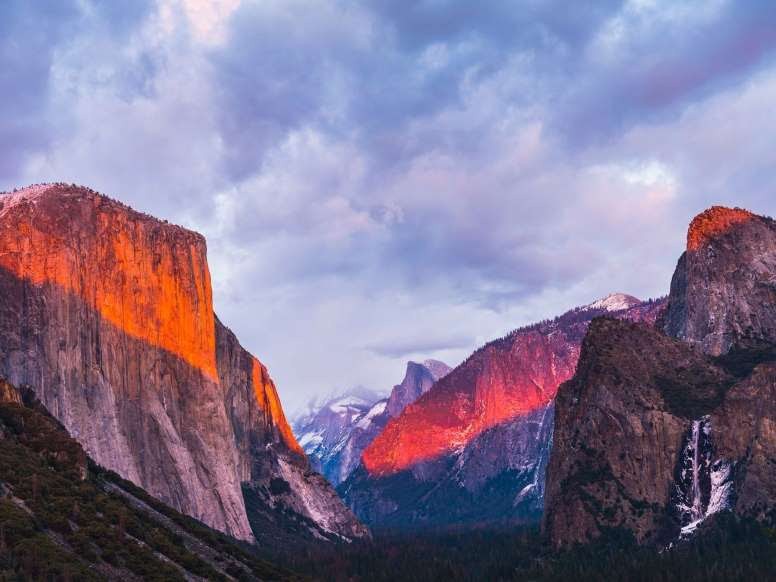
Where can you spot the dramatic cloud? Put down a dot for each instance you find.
(381, 181)
(406, 347)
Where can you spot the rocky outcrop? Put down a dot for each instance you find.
(743, 429)
(252, 404)
(655, 434)
(107, 315)
(724, 288)
(277, 480)
(335, 434)
(619, 429)
(475, 446)
(9, 393)
(653, 437)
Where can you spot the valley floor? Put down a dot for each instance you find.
(731, 550)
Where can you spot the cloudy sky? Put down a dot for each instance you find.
(381, 180)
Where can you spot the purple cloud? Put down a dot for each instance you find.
(412, 171)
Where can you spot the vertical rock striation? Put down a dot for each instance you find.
(658, 432)
(107, 315)
(281, 489)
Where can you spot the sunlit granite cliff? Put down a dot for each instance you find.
(107, 316)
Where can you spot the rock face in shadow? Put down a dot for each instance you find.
(278, 483)
(619, 429)
(88, 524)
(107, 315)
(475, 446)
(656, 434)
(744, 432)
(418, 379)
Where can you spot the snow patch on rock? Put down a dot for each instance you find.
(310, 440)
(29, 194)
(347, 405)
(374, 412)
(615, 302)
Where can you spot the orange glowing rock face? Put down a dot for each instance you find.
(109, 317)
(495, 385)
(502, 381)
(269, 403)
(713, 222)
(147, 278)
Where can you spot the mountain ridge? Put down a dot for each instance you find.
(474, 447)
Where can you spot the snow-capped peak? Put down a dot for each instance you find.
(615, 302)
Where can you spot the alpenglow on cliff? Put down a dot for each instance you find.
(107, 315)
(474, 447)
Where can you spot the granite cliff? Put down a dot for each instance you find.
(475, 446)
(662, 429)
(63, 517)
(107, 316)
(724, 288)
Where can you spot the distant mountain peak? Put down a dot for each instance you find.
(335, 431)
(418, 379)
(615, 302)
(437, 368)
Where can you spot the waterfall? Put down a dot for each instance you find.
(696, 511)
(704, 486)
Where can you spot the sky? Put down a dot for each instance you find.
(381, 181)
